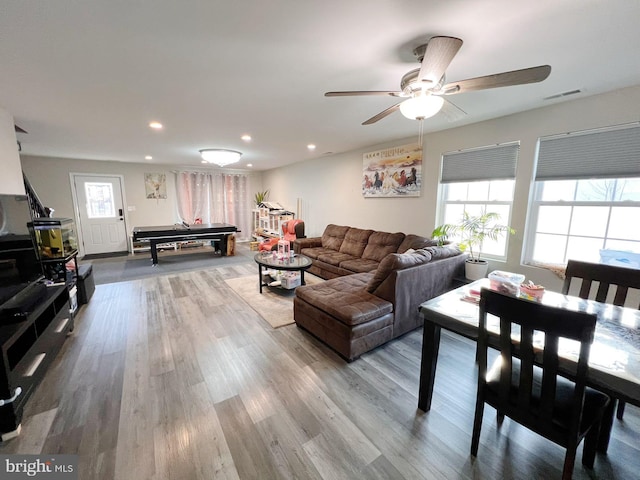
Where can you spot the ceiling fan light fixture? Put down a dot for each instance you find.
(421, 106)
(220, 156)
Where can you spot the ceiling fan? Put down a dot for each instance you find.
(424, 88)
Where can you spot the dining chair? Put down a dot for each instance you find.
(524, 383)
(607, 277)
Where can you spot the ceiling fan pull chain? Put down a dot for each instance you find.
(420, 131)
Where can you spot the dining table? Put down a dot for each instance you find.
(614, 361)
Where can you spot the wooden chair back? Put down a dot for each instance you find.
(529, 337)
(530, 318)
(607, 277)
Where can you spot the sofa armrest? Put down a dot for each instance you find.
(300, 243)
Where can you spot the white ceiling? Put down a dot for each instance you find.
(86, 78)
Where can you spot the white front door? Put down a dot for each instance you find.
(101, 213)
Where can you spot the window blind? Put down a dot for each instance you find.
(603, 153)
(486, 163)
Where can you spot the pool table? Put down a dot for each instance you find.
(181, 232)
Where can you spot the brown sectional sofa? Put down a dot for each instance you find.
(345, 250)
(376, 282)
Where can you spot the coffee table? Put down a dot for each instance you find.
(297, 263)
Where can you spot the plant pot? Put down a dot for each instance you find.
(476, 269)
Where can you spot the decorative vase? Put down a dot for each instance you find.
(476, 269)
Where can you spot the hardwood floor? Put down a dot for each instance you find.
(175, 377)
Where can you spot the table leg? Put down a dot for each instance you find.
(606, 426)
(154, 253)
(302, 277)
(260, 277)
(430, 347)
(223, 248)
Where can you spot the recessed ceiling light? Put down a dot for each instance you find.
(311, 146)
(246, 138)
(148, 157)
(249, 164)
(155, 125)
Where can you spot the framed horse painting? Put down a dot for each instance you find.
(392, 172)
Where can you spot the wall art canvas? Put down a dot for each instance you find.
(155, 185)
(392, 172)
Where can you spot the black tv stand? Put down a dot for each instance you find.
(17, 309)
(28, 348)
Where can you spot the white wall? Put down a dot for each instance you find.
(51, 181)
(331, 192)
(11, 178)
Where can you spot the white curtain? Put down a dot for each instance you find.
(215, 198)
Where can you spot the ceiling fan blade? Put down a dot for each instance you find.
(505, 79)
(451, 111)
(382, 114)
(437, 57)
(358, 93)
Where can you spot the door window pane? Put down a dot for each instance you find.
(99, 200)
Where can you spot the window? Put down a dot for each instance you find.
(100, 202)
(479, 180)
(586, 198)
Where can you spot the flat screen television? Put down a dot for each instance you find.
(20, 267)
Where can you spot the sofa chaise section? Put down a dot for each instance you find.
(359, 312)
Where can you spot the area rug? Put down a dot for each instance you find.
(274, 304)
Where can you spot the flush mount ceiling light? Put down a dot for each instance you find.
(421, 106)
(220, 156)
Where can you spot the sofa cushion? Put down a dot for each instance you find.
(355, 241)
(334, 258)
(327, 271)
(416, 242)
(359, 265)
(315, 252)
(333, 236)
(346, 299)
(381, 244)
(397, 261)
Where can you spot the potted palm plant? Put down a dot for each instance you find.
(261, 197)
(472, 231)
